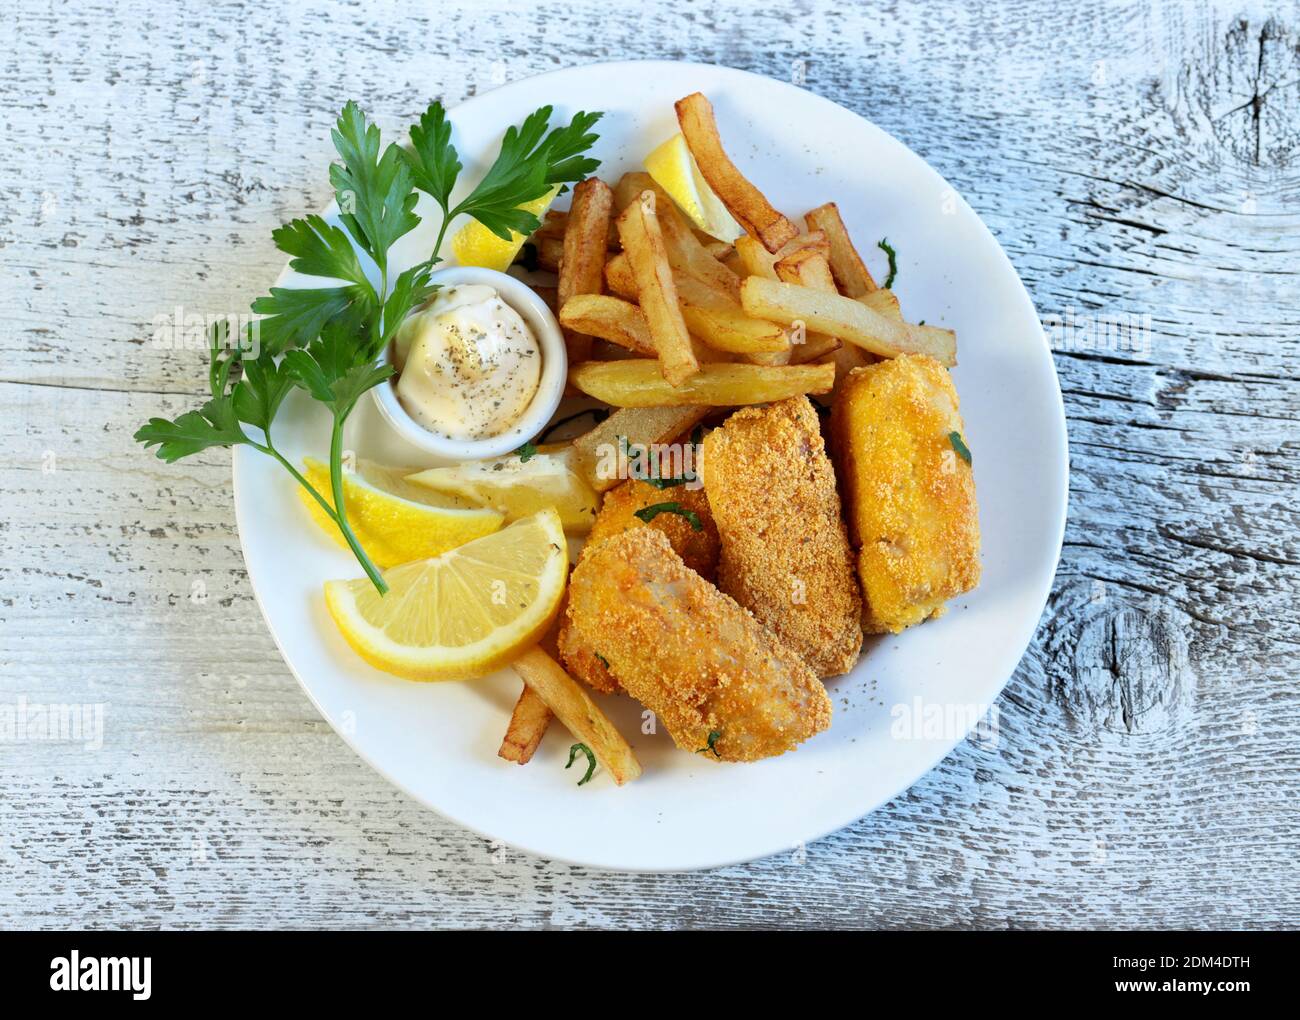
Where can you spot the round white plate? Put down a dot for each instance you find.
(438, 741)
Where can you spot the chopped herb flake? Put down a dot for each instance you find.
(884, 245)
(958, 444)
(649, 513)
(591, 760)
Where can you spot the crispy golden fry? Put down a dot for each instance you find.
(528, 724)
(629, 189)
(582, 267)
(884, 302)
(744, 201)
(730, 329)
(596, 452)
(574, 708)
(847, 319)
(553, 224)
(817, 347)
(908, 493)
(709, 671)
(697, 548)
(638, 382)
(809, 267)
(643, 242)
(758, 261)
(851, 273)
(609, 318)
(785, 555)
(619, 278)
(720, 250)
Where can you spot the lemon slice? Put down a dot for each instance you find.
(463, 614)
(395, 521)
(673, 168)
(517, 487)
(475, 245)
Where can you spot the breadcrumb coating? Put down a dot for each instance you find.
(908, 492)
(698, 549)
(785, 555)
(691, 654)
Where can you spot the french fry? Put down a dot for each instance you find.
(580, 715)
(731, 330)
(809, 267)
(636, 426)
(629, 188)
(744, 201)
(582, 268)
(758, 261)
(851, 273)
(884, 302)
(639, 383)
(553, 224)
(610, 318)
(528, 724)
(619, 278)
(847, 319)
(643, 242)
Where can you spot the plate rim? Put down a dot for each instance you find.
(1045, 582)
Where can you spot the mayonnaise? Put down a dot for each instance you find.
(468, 365)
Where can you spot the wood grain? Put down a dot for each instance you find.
(1140, 158)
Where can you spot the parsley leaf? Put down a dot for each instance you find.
(320, 249)
(959, 444)
(529, 164)
(649, 513)
(884, 245)
(527, 452)
(375, 193)
(713, 740)
(591, 760)
(432, 159)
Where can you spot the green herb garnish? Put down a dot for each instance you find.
(649, 513)
(331, 337)
(603, 661)
(959, 444)
(713, 741)
(591, 760)
(884, 245)
(527, 452)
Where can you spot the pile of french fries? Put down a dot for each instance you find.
(688, 323)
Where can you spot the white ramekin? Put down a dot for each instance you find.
(555, 366)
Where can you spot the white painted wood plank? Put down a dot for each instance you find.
(1146, 772)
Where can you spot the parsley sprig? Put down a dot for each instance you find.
(327, 339)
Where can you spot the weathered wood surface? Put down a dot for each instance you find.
(1135, 158)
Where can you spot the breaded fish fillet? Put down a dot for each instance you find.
(785, 555)
(708, 670)
(698, 548)
(908, 489)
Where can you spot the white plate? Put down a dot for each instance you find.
(438, 742)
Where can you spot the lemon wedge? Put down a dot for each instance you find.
(673, 168)
(463, 614)
(475, 245)
(395, 521)
(517, 487)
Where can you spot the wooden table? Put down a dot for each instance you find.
(1133, 158)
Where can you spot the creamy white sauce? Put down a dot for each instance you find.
(468, 365)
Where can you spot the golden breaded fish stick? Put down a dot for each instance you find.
(709, 671)
(785, 555)
(698, 547)
(908, 489)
